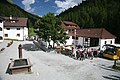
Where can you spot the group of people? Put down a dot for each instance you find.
(82, 53)
(78, 52)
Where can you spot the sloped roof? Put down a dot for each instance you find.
(95, 33)
(21, 22)
(67, 23)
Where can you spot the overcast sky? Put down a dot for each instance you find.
(42, 7)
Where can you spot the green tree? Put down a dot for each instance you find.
(31, 32)
(91, 22)
(49, 28)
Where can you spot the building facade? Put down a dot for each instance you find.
(71, 29)
(15, 28)
(95, 37)
(1, 29)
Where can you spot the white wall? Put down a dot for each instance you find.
(1, 32)
(118, 45)
(80, 41)
(25, 33)
(101, 41)
(51, 43)
(108, 41)
(12, 33)
(69, 41)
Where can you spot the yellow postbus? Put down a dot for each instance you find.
(110, 51)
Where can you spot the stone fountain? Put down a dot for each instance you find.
(20, 65)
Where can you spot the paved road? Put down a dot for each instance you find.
(51, 66)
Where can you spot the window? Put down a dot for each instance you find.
(0, 21)
(1, 38)
(73, 37)
(86, 39)
(18, 35)
(8, 28)
(69, 30)
(0, 29)
(76, 38)
(6, 35)
(18, 28)
(72, 30)
(105, 42)
(111, 42)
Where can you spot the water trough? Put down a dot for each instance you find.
(20, 65)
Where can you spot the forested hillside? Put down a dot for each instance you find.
(7, 9)
(96, 13)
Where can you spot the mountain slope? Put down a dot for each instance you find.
(7, 9)
(96, 13)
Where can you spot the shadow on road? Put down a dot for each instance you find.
(0, 78)
(112, 77)
(8, 69)
(30, 47)
(107, 68)
(33, 47)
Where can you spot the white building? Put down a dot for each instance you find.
(1, 29)
(95, 37)
(91, 37)
(15, 28)
(71, 29)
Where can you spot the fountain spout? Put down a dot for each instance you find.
(20, 51)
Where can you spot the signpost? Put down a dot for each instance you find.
(115, 57)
